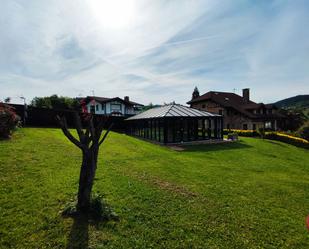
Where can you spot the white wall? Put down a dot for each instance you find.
(99, 111)
(109, 107)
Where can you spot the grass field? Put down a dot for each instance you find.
(250, 194)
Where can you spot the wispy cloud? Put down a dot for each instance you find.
(160, 54)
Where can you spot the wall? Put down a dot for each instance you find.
(106, 108)
(43, 117)
(231, 118)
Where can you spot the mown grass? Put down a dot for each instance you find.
(250, 194)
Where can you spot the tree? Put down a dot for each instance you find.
(7, 100)
(303, 131)
(195, 93)
(89, 143)
(56, 102)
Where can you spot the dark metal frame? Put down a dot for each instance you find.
(176, 129)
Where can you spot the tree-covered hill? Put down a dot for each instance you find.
(299, 101)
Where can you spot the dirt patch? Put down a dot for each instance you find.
(176, 148)
(164, 185)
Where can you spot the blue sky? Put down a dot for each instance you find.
(154, 51)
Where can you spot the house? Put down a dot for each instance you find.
(175, 123)
(239, 112)
(111, 106)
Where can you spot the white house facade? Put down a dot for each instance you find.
(112, 106)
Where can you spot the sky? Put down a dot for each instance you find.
(153, 51)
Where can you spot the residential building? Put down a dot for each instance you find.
(239, 112)
(111, 106)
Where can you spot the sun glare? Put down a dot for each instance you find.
(113, 14)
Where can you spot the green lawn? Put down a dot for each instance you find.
(249, 194)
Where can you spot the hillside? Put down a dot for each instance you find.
(296, 102)
(248, 194)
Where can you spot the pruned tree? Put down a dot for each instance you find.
(89, 141)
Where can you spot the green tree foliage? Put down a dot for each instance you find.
(56, 102)
(303, 131)
(294, 119)
(196, 93)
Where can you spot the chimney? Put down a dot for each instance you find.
(126, 98)
(246, 95)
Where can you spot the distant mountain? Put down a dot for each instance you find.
(297, 102)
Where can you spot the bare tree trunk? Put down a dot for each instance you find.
(87, 174)
(89, 143)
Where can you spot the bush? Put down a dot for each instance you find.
(232, 136)
(8, 120)
(299, 142)
(243, 133)
(303, 131)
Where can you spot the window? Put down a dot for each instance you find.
(220, 112)
(116, 107)
(97, 107)
(203, 106)
(228, 126)
(268, 125)
(254, 127)
(245, 126)
(227, 112)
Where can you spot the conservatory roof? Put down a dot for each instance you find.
(173, 110)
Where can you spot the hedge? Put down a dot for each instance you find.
(286, 138)
(243, 133)
(297, 141)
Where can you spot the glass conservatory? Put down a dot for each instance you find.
(175, 124)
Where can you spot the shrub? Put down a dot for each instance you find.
(8, 120)
(243, 133)
(299, 142)
(232, 136)
(303, 131)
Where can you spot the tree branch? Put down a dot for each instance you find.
(106, 133)
(79, 127)
(91, 129)
(64, 127)
(99, 128)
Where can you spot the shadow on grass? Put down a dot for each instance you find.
(278, 143)
(79, 235)
(216, 147)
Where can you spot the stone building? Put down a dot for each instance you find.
(239, 112)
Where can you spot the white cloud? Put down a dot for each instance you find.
(158, 52)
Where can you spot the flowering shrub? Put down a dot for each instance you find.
(244, 133)
(8, 120)
(297, 141)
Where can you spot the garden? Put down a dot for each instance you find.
(249, 194)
